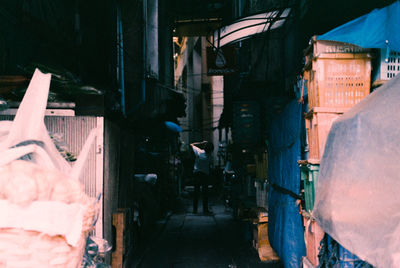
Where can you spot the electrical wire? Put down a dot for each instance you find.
(180, 87)
(199, 129)
(265, 41)
(188, 89)
(185, 89)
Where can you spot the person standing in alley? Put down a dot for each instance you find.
(201, 171)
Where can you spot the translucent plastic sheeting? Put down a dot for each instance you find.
(285, 225)
(358, 193)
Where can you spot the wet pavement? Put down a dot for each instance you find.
(190, 240)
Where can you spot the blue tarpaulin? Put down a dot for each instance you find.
(377, 29)
(173, 126)
(285, 225)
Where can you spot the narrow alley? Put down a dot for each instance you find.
(279, 118)
(197, 240)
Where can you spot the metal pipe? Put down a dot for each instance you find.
(121, 61)
(144, 55)
(152, 38)
(144, 59)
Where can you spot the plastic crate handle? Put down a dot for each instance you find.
(387, 52)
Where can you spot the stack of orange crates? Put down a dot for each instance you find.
(337, 76)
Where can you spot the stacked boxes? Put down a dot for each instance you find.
(339, 80)
(246, 124)
(261, 182)
(335, 255)
(261, 241)
(261, 193)
(309, 177)
(317, 47)
(338, 76)
(387, 67)
(318, 123)
(313, 233)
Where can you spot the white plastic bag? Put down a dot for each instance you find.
(46, 183)
(28, 125)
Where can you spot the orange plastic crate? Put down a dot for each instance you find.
(313, 235)
(318, 125)
(318, 47)
(339, 80)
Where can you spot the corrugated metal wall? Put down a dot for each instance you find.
(74, 131)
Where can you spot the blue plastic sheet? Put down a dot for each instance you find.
(173, 126)
(285, 224)
(378, 29)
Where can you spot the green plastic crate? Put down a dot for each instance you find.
(309, 176)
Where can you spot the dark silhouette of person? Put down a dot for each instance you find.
(201, 171)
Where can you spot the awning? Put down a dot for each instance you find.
(246, 27)
(377, 29)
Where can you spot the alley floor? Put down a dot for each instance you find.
(196, 240)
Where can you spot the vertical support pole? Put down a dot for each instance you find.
(120, 68)
(151, 21)
(99, 228)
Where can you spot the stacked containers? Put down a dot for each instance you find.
(261, 193)
(318, 123)
(261, 182)
(313, 233)
(387, 67)
(338, 76)
(335, 255)
(339, 80)
(246, 124)
(309, 176)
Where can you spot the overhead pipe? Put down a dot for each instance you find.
(144, 57)
(151, 23)
(120, 63)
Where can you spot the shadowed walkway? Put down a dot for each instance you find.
(196, 240)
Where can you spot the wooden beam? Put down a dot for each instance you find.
(119, 225)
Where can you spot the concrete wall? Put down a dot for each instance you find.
(166, 75)
(151, 38)
(188, 75)
(204, 96)
(217, 102)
